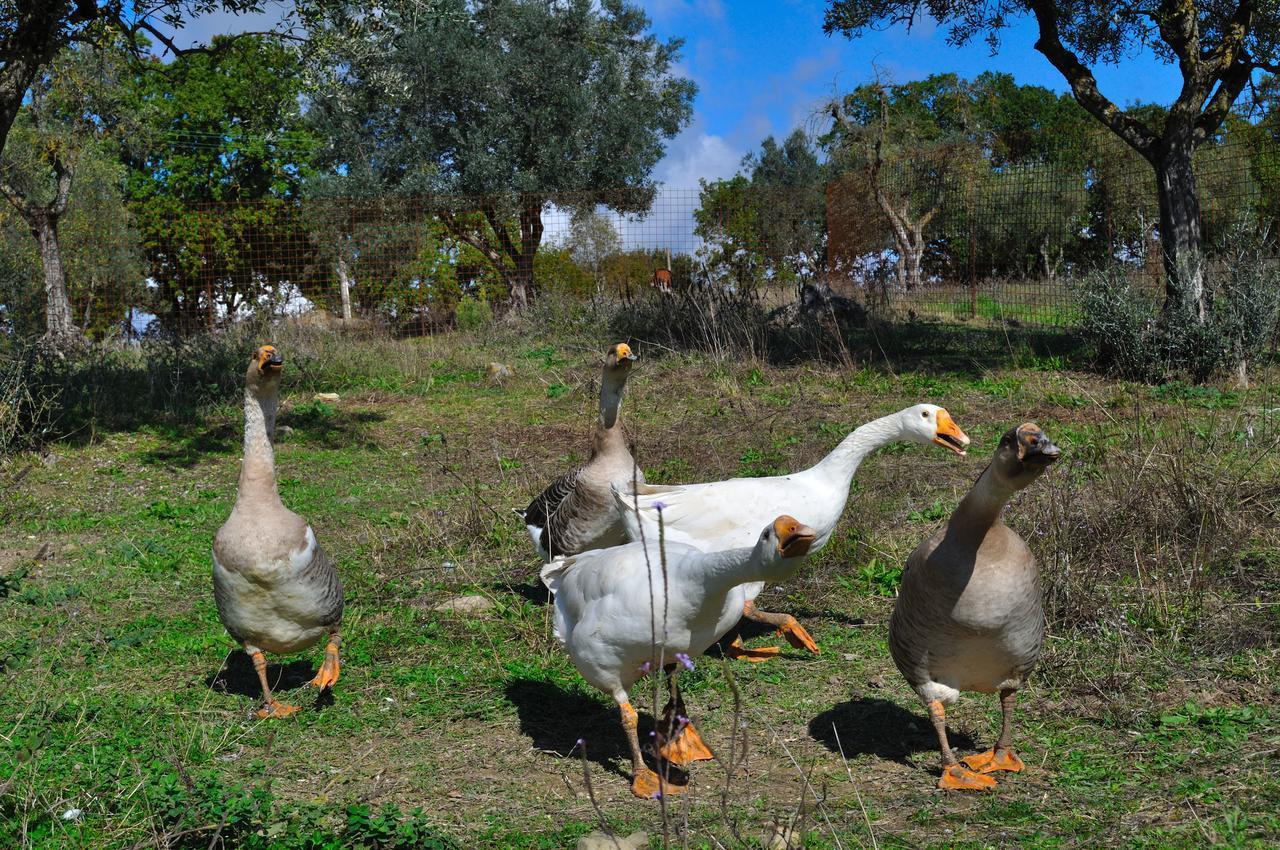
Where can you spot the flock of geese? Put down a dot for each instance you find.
(646, 577)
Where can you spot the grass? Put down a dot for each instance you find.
(125, 722)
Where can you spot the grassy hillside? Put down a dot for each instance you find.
(124, 721)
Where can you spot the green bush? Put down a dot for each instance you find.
(473, 313)
(1134, 338)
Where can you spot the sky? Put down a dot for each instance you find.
(764, 68)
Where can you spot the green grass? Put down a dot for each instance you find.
(1151, 721)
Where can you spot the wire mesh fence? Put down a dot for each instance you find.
(944, 232)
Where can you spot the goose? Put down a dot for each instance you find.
(575, 513)
(721, 514)
(968, 615)
(276, 589)
(611, 608)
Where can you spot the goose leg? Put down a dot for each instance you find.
(645, 784)
(1001, 756)
(737, 650)
(681, 742)
(955, 776)
(330, 668)
(786, 625)
(271, 707)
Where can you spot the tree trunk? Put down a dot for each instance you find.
(1180, 234)
(915, 255)
(523, 285)
(60, 326)
(344, 288)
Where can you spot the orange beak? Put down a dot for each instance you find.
(794, 537)
(269, 360)
(949, 435)
(622, 352)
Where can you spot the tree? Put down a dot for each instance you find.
(33, 32)
(908, 141)
(216, 188)
(71, 108)
(592, 239)
(495, 107)
(1217, 46)
(789, 180)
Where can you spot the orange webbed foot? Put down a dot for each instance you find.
(685, 746)
(329, 670)
(959, 778)
(275, 708)
(647, 785)
(797, 635)
(993, 760)
(763, 653)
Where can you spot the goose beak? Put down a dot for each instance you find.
(794, 537)
(949, 435)
(269, 360)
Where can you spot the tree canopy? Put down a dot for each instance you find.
(1217, 46)
(502, 102)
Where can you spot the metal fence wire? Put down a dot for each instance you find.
(943, 232)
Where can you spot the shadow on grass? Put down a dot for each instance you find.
(534, 591)
(237, 676)
(187, 447)
(319, 424)
(879, 727)
(555, 719)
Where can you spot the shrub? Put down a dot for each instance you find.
(1135, 339)
(472, 314)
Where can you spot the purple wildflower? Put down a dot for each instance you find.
(685, 660)
(680, 718)
(645, 667)
(659, 506)
(582, 742)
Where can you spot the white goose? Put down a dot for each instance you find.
(722, 515)
(614, 618)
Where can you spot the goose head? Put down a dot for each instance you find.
(930, 424)
(782, 543)
(619, 359)
(264, 370)
(1023, 454)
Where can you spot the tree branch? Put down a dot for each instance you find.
(1219, 105)
(475, 240)
(500, 230)
(64, 173)
(1084, 85)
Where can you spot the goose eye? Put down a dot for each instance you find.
(924, 414)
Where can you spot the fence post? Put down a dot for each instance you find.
(973, 251)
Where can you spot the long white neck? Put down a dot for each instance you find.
(845, 458)
(258, 472)
(722, 571)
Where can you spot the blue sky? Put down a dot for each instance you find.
(765, 67)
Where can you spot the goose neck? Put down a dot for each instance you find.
(844, 459)
(258, 472)
(611, 387)
(724, 570)
(980, 509)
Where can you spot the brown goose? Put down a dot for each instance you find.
(968, 616)
(276, 589)
(576, 512)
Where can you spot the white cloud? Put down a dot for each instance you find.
(696, 154)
